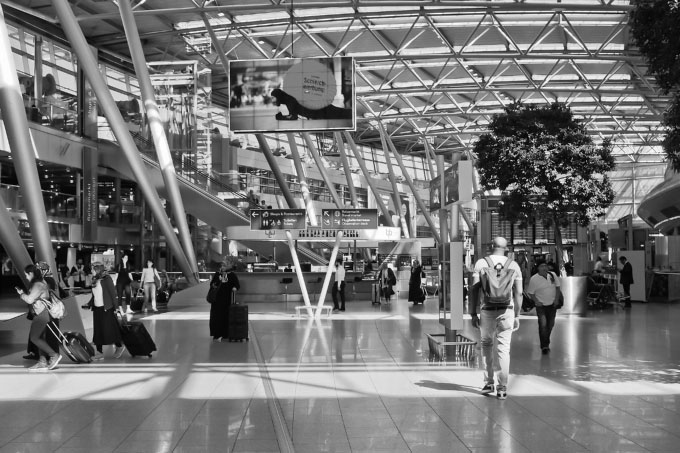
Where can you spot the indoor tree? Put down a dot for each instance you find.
(655, 28)
(546, 166)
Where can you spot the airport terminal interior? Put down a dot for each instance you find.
(282, 144)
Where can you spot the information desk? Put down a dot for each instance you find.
(271, 287)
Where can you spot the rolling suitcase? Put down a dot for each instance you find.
(237, 328)
(136, 338)
(375, 293)
(137, 299)
(73, 344)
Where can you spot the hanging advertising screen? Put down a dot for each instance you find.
(297, 94)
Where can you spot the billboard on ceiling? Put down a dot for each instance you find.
(298, 94)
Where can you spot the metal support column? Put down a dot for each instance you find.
(393, 180)
(304, 188)
(348, 172)
(454, 233)
(409, 181)
(37, 72)
(369, 180)
(280, 179)
(157, 131)
(21, 146)
(329, 272)
(324, 174)
(89, 65)
(298, 272)
(443, 221)
(218, 48)
(12, 243)
(429, 157)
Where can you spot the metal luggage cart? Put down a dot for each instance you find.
(601, 295)
(461, 349)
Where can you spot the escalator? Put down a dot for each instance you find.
(199, 195)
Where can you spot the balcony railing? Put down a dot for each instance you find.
(55, 114)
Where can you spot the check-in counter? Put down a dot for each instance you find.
(284, 286)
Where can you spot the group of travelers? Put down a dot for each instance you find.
(108, 298)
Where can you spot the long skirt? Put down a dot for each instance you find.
(105, 326)
(219, 312)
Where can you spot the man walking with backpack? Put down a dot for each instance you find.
(500, 280)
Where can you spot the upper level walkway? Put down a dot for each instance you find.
(357, 381)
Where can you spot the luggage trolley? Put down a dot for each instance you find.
(602, 294)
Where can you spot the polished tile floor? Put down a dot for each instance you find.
(356, 382)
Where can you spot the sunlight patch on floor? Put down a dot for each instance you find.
(633, 387)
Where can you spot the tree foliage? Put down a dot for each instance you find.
(546, 165)
(655, 28)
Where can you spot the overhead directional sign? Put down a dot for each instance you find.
(278, 219)
(357, 219)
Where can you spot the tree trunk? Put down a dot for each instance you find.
(558, 247)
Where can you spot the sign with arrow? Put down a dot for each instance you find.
(356, 219)
(278, 219)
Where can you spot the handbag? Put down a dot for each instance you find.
(55, 306)
(212, 294)
(560, 301)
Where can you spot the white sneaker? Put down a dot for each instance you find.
(40, 367)
(98, 356)
(118, 352)
(129, 311)
(54, 361)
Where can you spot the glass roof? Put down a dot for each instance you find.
(434, 71)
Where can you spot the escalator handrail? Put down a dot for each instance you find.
(148, 151)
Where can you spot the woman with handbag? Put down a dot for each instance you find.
(387, 281)
(150, 281)
(104, 305)
(416, 293)
(123, 282)
(33, 353)
(38, 291)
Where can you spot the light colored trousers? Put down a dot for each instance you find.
(496, 333)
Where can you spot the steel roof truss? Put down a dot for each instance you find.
(501, 29)
(283, 36)
(339, 49)
(415, 74)
(404, 44)
(544, 33)
(613, 34)
(472, 39)
(571, 31)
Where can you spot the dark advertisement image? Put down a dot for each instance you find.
(292, 95)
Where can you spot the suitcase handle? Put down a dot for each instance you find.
(59, 334)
